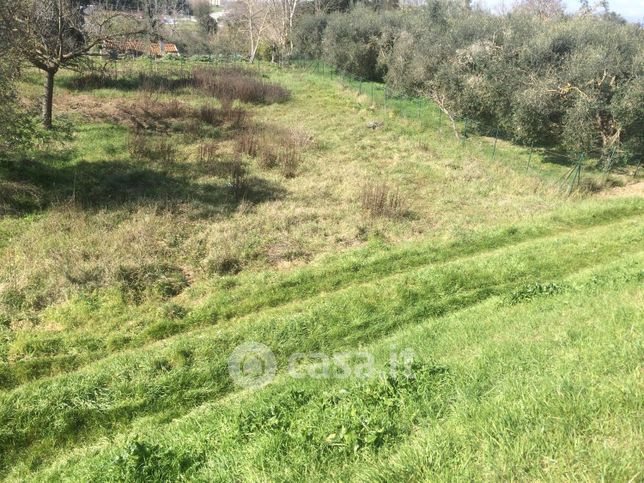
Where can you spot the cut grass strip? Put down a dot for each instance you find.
(170, 377)
(503, 391)
(41, 354)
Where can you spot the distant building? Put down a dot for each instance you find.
(137, 48)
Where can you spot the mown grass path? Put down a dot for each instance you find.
(168, 378)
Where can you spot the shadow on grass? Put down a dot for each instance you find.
(32, 185)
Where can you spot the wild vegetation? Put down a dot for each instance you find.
(568, 82)
(179, 209)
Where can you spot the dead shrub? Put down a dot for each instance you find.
(165, 150)
(90, 80)
(210, 115)
(279, 148)
(380, 200)
(289, 160)
(271, 149)
(229, 85)
(170, 109)
(207, 151)
(248, 143)
(235, 116)
(238, 180)
(146, 148)
(268, 158)
(158, 82)
(138, 146)
(193, 128)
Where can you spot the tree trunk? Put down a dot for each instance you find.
(48, 102)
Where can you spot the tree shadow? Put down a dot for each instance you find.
(559, 158)
(28, 186)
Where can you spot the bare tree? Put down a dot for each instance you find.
(55, 34)
(252, 16)
(282, 15)
(544, 9)
(154, 13)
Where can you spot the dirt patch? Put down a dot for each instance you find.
(630, 190)
(90, 108)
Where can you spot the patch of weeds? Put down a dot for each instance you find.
(531, 291)
(145, 461)
(366, 416)
(381, 200)
(153, 149)
(238, 180)
(162, 280)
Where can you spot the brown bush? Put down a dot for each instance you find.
(380, 200)
(272, 148)
(148, 112)
(238, 180)
(207, 152)
(170, 109)
(229, 85)
(236, 116)
(210, 115)
(137, 146)
(289, 160)
(165, 150)
(268, 158)
(248, 143)
(146, 148)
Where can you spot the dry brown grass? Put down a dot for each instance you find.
(144, 147)
(381, 200)
(230, 84)
(274, 147)
(207, 152)
(453, 190)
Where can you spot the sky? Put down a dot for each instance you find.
(630, 9)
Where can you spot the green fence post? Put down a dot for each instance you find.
(385, 104)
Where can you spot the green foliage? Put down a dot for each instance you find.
(116, 332)
(569, 81)
(534, 290)
(146, 461)
(17, 128)
(308, 34)
(352, 42)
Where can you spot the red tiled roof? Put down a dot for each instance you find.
(152, 48)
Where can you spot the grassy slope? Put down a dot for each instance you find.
(548, 387)
(516, 380)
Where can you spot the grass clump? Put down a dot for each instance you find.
(273, 148)
(144, 147)
(164, 281)
(381, 200)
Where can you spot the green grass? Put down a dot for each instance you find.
(523, 308)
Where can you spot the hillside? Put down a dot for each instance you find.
(177, 224)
